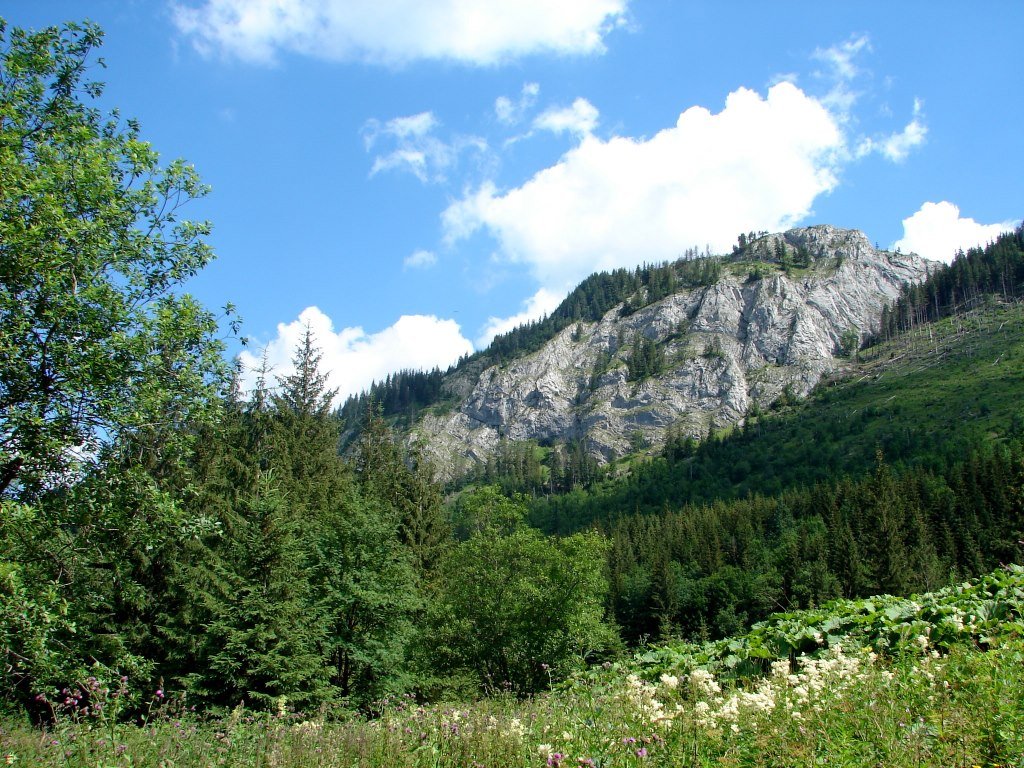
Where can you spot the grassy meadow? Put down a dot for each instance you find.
(932, 680)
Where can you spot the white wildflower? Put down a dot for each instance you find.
(704, 682)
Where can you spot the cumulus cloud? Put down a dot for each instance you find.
(398, 31)
(579, 119)
(511, 112)
(937, 231)
(541, 304)
(353, 358)
(757, 164)
(415, 149)
(420, 260)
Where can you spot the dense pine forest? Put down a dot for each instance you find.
(166, 534)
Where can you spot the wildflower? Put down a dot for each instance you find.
(566, 736)
(159, 693)
(282, 703)
(516, 728)
(555, 759)
(670, 681)
(544, 750)
(9, 758)
(642, 752)
(704, 682)
(922, 641)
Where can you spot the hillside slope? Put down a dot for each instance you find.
(924, 399)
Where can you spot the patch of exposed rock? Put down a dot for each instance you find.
(726, 346)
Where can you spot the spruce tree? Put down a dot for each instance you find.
(254, 642)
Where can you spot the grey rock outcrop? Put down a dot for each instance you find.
(726, 346)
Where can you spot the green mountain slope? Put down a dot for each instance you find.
(922, 399)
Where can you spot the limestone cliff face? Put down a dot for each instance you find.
(726, 346)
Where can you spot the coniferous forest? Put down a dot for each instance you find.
(165, 534)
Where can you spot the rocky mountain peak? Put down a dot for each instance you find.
(772, 320)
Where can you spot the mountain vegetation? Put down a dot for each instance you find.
(191, 574)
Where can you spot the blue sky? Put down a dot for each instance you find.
(410, 177)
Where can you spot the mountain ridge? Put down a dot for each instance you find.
(771, 318)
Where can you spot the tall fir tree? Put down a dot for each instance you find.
(252, 600)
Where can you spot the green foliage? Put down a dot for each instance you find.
(511, 605)
(367, 596)
(711, 570)
(252, 600)
(849, 342)
(404, 483)
(974, 612)
(95, 343)
(646, 360)
(401, 394)
(516, 467)
(107, 371)
(353, 542)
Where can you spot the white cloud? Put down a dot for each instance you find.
(420, 260)
(353, 359)
(579, 119)
(398, 31)
(897, 146)
(511, 112)
(542, 303)
(937, 231)
(841, 58)
(758, 164)
(843, 70)
(412, 125)
(416, 149)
